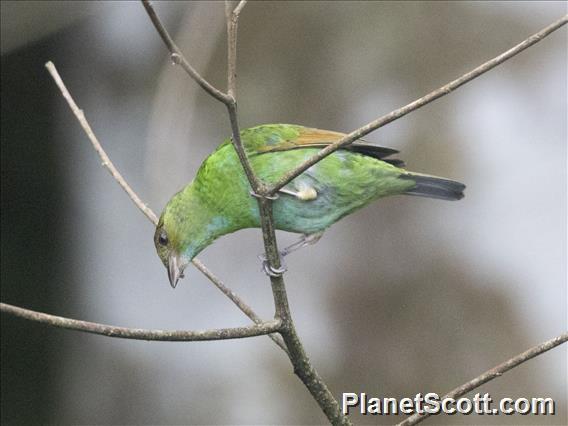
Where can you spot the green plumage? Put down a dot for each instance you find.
(218, 201)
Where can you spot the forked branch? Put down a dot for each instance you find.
(226, 98)
(108, 164)
(178, 58)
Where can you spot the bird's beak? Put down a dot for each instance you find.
(174, 269)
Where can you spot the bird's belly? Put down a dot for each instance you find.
(293, 216)
(344, 182)
(307, 217)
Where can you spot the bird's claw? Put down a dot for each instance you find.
(270, 270)
(273, 272)
(268, 197)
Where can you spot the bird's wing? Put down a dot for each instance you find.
(305, 137)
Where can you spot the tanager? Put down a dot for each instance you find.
(218, 201)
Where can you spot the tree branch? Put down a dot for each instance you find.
(232, 17)
(178, 58)
(239, 8)
(108, 164)
(400, 112)
(142, 334)
(303, 367)
(298, 357)
(255, 184)
(246, 309)
(495, 372)
(227, 99)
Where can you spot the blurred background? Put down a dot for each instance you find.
(408, 295)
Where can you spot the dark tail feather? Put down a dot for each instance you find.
(435, 187)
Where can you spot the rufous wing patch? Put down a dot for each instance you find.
(308, 138)
(316, 138)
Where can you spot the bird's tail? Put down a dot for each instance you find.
(435, 187)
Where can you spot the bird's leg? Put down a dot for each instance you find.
(304, 241)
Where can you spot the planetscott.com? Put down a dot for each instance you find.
(432, 403)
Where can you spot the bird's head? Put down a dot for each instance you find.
(170, 248)
(188, 224)
(184, 229)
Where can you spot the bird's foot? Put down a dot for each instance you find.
(304, 241)
(268, 197)
(270, 270)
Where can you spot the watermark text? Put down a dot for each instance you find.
(432, 403)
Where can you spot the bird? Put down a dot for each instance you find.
(218, 200)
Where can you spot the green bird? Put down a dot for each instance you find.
(218, 201)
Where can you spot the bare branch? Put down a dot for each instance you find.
(237, 301)
(96, 144)
(107, 163)
(232, 17)
(231, 50)
(432, 96)
(255, 184)
(495, 372)
(177, 56)
(239, 7)
(142, 334)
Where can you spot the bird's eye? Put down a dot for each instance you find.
(163, 238)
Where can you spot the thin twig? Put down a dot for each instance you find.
(108, 164)
(255, 184)
(239, 7)
(232, 17)
(142, 334)
(177, 56)
(231, 50)
(400, 112)
(495, 372)
(236, 300)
